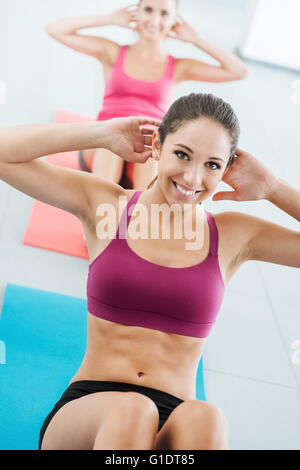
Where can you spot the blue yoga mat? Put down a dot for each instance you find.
(42, 344)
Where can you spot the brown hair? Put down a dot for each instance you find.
(196, 106)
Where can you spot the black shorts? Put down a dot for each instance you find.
(165, 402)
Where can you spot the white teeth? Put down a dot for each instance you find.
(183, 191)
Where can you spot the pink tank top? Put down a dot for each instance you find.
(124, 288)
(125, 96)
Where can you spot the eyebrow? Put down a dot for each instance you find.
(191, 151)
(151, 8)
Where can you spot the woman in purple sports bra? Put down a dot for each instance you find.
(152, 297)
(141, 78)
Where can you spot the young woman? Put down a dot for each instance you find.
(140, 78)
(151, 301)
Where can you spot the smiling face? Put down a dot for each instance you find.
(192, 161)
(156, 18)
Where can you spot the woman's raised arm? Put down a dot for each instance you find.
(263, 240)
(271, 242)
(230, 66)
(67, 189)
(65, 30)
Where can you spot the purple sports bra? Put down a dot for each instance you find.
(125, 288)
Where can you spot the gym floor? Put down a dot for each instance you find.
(248, 368)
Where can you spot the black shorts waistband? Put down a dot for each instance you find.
(106, 385)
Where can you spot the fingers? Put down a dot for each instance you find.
(147, 120)
(180, 18)
(225, 195)
(132, 10)
(240, 152)
(148, 141)
(133, 7)
(243, 157)
(142, 157)
(147, 131)
(148, 136)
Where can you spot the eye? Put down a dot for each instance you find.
(180, 155)
(216, 164)
(165, 13)
(148, 9)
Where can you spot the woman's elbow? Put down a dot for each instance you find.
(242, 73)
(50, 29)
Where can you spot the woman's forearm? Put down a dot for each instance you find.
(228, 61)
(72, 25)
(24, 143)
(286, 198)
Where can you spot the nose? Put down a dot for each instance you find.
(193, 177)
(155, 20)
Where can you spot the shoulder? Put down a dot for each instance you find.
(182, 66)
(232, 218)
(242, 224)
(236, 230)
(244, 229)
(260, 239)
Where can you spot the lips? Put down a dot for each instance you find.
(184, 191)
(152, 31)
(186, 188)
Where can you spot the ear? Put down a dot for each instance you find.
(156, 145)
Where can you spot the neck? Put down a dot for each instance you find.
(149, 48)
(154, 196)
(183, 225)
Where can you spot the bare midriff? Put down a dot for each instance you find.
(141, 356)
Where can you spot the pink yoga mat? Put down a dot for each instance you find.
(51, 228)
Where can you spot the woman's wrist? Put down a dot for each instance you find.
(105, 20)
(197, 41)
(276, 192)
(219, 54)
(194, 38)
(111, 19)
(286, 198)
(98, 136)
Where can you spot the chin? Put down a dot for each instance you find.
(154, 37)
